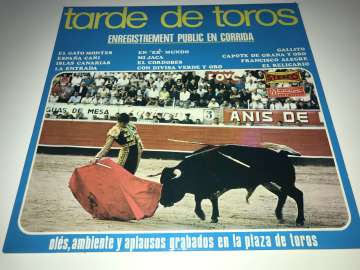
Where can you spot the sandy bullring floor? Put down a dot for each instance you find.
(50, 206)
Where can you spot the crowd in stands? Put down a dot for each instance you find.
(177, 89)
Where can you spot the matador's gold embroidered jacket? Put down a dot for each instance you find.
(125, 137)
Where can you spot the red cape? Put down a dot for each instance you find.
(108, 191)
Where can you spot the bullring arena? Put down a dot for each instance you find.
(245, 107)
(49, 205)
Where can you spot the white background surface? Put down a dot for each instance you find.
(27, 34)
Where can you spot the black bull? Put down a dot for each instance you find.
(209, 172)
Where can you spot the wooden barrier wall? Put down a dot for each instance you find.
(309, 142)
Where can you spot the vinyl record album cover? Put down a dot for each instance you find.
(183, 128)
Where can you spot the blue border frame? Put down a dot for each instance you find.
(18, 242)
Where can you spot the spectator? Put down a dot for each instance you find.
(260, 76)
(201, 91)
(132, 117)
(179, 85)
(65, 79)
(301, 105)
(255, 96)
(261, 89)
(203, 103)
(115, 117)
(82, 90)
(92, 90)
(114, 92)
(96, 100)
(132, 92)
(164, 97)
(159, 83)
(234, 95)
(87, 99)
(220, 96)
(80, 115)
(245, 96)
(55, 115)
(104, 101)
(103, 92)
(213, 104)
(158, 118)
(139, 100)
(56, 88)
(99, 81)
(314, 104)
(293, 105)
(170, 119)
(174, 95)
(251, 85)
(278, 105)
(75, 98)
(264, 100)
(130, 100)
(225, 105)
(87, 79)
(272, 105)
(75, 81)
(123, 81)
(249, 77)
(256, 105)
(210, 94)
(187, 120)
(286, 104)
(153, 95)
(147, 117)
(53, 97)
(194, 98)
(240, 84)
(65, 93)
(117, 101)
(184, 98)
(67, 115)
(237, 105)
(216, 121)
(192, 85)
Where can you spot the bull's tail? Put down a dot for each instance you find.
(280, 148)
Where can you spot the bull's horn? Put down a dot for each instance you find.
(177, 173)
(153, 175)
